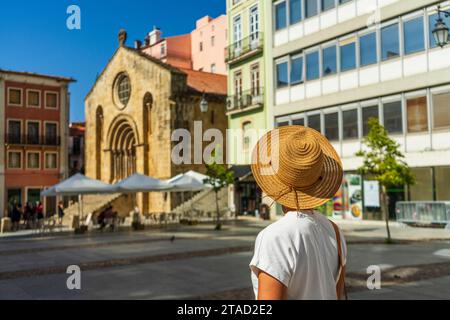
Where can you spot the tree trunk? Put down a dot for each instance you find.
(218, 227)
(385, 208)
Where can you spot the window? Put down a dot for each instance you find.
(297, 70)
(327, 5)
(15, 97)
(393, 119)
(314, 122)
(350, 124)
(51, 161)
(33, 195)
(390, 47)
(432, 22)
(213, 68)
(282, 75)
(441, 111)
(213, 41)
(237, 31)
(255, 77)
(329, 61)
(280, 15)
(417, 114)
(33, 132)
(246, 127)
(295, 11)
(423, 189)
(282, 124)
(51, 134)
(311, 8)
(368, 49)
(254, 23)
(238, 84)
(414, 35)
(200, 47)
(344, 1)
(332, 126)
(14, 160)
(51, 100)
(124, 89)
(163, 49)
(33, 98)
(442, 175)
(312, 66)
(14, 131)
(367, 114)
(298, 122)
(33, 160)
(348, 54)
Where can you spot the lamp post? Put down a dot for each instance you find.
(440, 31)
(204, 104)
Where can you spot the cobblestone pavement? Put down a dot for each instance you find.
(201, 263)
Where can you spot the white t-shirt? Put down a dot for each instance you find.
(300, 251)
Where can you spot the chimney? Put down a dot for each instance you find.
(154, 36)
(138, 44)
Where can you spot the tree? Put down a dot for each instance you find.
(218, 177)
(384, 162)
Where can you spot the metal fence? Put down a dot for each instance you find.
(423, 212)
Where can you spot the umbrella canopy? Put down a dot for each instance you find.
(189, 181)
(78, 185)
(141, 183)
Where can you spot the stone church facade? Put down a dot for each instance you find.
(131, 112)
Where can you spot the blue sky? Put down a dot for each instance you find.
(34, 36)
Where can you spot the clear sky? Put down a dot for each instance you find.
(34, 36)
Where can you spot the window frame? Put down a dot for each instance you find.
(57, 99)
(21, 159)
(27, 153)
(45, 160)
(21, 105)
(44, 133)
(351, 107)
(362, 34)
(40, 98)
(312, 114)
(324, 47)
(393, 99)
(328, 111)
(410, 18)
(434, 92)
(416, 95)
(277, 63)
(319, 62)
(39, 129)
(388, 24)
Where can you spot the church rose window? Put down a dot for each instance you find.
(123, 89)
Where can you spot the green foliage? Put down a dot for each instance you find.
(383, 161)
(218, 174)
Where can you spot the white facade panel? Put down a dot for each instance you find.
(439, 58)
(296, 31)
(348, 80)
(281, 37)
(346, 11)
(328, 19)
(282, 96)
(349, 149)
(298, 92)
(312, 25)
(441, 140)
(313, 89)
(391, 70)
(417, 142)
(415, 64)
(368, 76)
(330, 85)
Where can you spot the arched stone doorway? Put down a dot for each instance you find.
(123, 142)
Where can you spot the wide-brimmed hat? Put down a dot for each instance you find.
(297, 167)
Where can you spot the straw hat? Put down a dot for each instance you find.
(297, 167)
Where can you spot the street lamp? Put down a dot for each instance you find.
(204, 104)
(440, 31)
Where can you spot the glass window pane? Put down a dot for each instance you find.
(314, 122)
(312, 66)
(413, 34)
(15, 96)
(297, 70)
(344, 1)
(34, 98)
(348, 57)
(282, 75)
(332, 126)
(368, 49)
(390, 47)
(311, 8)
(393, 120)
(442, 175)
(282, 124)
(417, 114)
(295, 11)
(423, 189)
(441, 110)
(432, 22)
(350, 124)
(280, 16)
(329, 61)
(367, 114)
(298, 122)
(327, 5)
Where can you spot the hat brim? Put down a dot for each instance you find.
(308, 198)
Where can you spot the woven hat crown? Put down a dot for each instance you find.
(301, 160)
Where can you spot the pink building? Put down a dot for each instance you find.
(201, 50)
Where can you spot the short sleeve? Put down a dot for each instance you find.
(273, 255)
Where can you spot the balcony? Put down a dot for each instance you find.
(26, 140)
(244, 48)
(246, 101)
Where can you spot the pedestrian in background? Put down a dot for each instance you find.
(61, 212)
(302, 256)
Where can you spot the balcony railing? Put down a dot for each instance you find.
(246, 100)
(242, 48)
(14, 139)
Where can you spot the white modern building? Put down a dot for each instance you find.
(338, 63)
